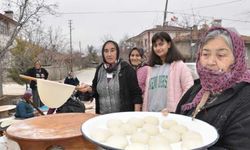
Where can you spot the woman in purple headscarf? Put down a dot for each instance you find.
(222, 95)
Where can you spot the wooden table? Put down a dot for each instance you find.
(50, 131)
(4, 110)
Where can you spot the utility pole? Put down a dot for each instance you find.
(165, 13)
(70, 43)
(80, 47)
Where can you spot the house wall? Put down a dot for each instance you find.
(248, 54)
(184, 48)
(5, 29)
(144, 41)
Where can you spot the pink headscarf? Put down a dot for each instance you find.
(215, 81)
(27, 95)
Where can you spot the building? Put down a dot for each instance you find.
(186, 39)
(7, 25)
(143, 40)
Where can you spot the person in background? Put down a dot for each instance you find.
(115, 86)
(136, 57)
(71, 79)
(38, 72)
(168, 77)
(24, 109)
(221, 96)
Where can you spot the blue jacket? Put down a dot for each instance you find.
(24, 110)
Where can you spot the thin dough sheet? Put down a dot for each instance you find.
(54, 94)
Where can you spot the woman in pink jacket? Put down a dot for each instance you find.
(136, 59)
(168, 78)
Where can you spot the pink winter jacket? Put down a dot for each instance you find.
(142, 77)
(179, 81)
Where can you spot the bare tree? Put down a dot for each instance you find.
(124, 47)
(27, 12)
(106, 37)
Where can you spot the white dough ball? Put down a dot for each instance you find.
(171, 136)
(191, 139)
(111, 123)
(191, 135)
(166, 124)
(117, 131)
(151, 120)
(117, 141)
(137, 122)
(160, 147)
(179, 128)
(159, 139)
(136, 146)
(191, 144)
(128, 129)
(150, 129)
(139, 137)
(100, 134)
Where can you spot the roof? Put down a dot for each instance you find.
(7, 19)
(160, 28)
(199, 33)
(246, 38)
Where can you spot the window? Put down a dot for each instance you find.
(3, 28)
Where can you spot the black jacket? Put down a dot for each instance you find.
(130, 92)
(229, 114)
(72, 81)
(37, 73)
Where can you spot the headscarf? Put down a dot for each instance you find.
(141, 53)
(111, 67)
(117, 50)
(216, 81)
(27, 95)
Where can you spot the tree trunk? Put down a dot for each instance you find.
(1, 79)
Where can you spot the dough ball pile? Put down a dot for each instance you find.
(114, 123)
(118, 141)
(100, 134)
(146, 133)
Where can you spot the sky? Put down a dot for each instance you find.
(93, 21)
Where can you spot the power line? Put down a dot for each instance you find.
(215, 5)
(110, 12)
(228, 19)
(142, 12)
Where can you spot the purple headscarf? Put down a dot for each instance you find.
(215, 81)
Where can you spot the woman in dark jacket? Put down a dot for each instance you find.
(135, 58)
(115, 86)
(221, 96)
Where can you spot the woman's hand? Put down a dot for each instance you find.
(36, 113)
(84, 88)
(164, 112)
(137, 107)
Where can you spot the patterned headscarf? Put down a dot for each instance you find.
(216, 81)
(27, 95)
